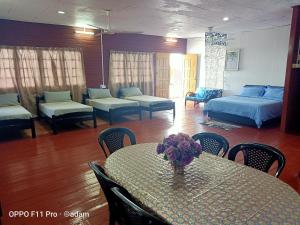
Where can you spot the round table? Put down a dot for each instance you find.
(212, 190)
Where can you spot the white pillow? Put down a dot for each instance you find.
(57, 96)
(9, 99)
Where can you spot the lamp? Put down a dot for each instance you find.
(84, 32)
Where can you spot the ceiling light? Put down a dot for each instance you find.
(60, 12)
(225, 18)
(171, 39)
(84, 32)
(175, 29)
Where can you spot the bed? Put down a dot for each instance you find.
(13, 115)
(58, 107)
(255, 106)
(147, 102)
(105, 105)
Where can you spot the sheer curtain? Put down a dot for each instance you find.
(30, 71)
(162, 83)
(131, 69)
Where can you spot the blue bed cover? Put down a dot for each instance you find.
(257, 108)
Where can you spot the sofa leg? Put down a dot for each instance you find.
(53, 125)
(33, 132)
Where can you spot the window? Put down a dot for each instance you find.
(28, 67)
(7, 68)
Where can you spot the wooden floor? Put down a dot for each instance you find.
(50, 173)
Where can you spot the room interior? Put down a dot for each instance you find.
(162, 68)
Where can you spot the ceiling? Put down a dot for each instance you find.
(181, 18)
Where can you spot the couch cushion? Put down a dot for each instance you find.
(57, 96)
(9, 99)
(95, 93)
(131, 91)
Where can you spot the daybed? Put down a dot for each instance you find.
(203, 95)
(13, 115)
(107, 106)
(59, 107)
(256, 105)
(147, 102)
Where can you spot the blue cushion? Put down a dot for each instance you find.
(252, 91)
(200, 93)
(275, 93)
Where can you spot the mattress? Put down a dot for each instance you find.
(106, 104)
(256, 108)
(147, 100)
(14, 112)
(60, 108)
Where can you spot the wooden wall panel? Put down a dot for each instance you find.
(16, 33)
(291, 110)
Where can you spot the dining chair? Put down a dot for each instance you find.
(259, 156)
(129, 212)
(212, 143)
(114, 138)
(106, 185)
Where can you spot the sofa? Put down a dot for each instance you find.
(203, 95)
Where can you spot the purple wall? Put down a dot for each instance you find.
(16, 33)
(138, 43)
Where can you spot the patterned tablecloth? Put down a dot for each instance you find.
(213, 190)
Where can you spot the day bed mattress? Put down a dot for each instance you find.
(61, 108)
(147, 100)
(106, 104)
(258, 109)
(14, 112)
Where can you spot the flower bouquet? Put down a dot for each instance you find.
(180, 150)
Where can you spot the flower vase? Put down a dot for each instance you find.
(179, 170)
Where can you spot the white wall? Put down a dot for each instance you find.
(263, 56)
(197, 46)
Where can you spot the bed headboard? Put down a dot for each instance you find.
(265, 86)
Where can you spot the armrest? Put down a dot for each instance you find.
(190, 94)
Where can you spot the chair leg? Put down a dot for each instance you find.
(111, 219)
(33, 133)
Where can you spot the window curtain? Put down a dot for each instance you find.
(190, 72)
(214, 65)
(30, 71)
(162, 83)
(128, 69)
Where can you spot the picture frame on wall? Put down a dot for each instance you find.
(232, 59)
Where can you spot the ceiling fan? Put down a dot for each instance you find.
(99, 33)
(108, 29)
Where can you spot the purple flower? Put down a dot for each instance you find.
(160, 148)
(179, 149)
(184, 146)
(170, 153)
